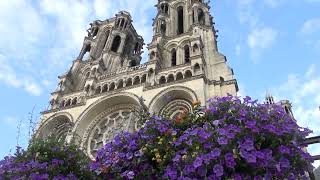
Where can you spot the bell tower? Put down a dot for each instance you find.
(184, 34)
(113, 43)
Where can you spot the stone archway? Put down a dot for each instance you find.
(58, 125)
(173, 101)
(104, 119)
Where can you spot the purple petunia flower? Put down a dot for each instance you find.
(284, 162)
(170, 173)
(230, 163)
(284, 150)
(130, 175)
(197, 162)
(203, 134)
(218, 170)
(214, 153)
(222, 141)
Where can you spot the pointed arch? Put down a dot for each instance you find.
(74, 101)
(104, 88)
(116, 43)
(120, 84)
(112, 86)
(196, 68)
(186, 54)
(144, 78)
(187, 74)
(98, 90)
(162, 80)
(201, 17)
(179, 76)
(136, 80)
(129, 82)
(180, 18)
(173, 57)
(170, 78)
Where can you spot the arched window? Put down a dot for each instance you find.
(186, 54)
(74, 101)
(195, 47)
(62, 103)
(88, 74)
(170, 78)
(87, 88)
(162, 80)
(152, 55)
(180, 20)
(120, 84)
(196, 68)
(137, 48)
(117, 22)
(122, 23)
(94, 71)
(166, 9)
(127, 50)
(173, 57)
(105, 88)
(201, 17)
(98, 90)
(133, 63)
(112, 87)
(163, 27)
(136, 80)
(188, 74)
(68, 103)
(129, 82)
(179, 76)
(116, 43)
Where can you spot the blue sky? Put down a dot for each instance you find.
(272, 45)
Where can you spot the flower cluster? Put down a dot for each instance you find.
(46, 159)
(231, 139)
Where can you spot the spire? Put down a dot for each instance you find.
(269, 98)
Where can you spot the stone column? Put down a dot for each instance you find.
(123, 39)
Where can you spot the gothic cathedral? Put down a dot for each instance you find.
(101, 93)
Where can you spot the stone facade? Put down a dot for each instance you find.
(99, 95)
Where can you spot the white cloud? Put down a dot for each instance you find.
(40, 41)
(260, 36)
(310, 33)
(311, 26)
(303, 90)
(260, 39)
(9, 76)
(100, 7)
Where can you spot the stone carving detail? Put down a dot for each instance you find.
(108, 124)
(175, 108)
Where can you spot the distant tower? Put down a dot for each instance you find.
(286, 104)
(98, 97)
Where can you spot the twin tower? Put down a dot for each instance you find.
(101, 93)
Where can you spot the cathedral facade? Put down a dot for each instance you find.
(100, 95)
